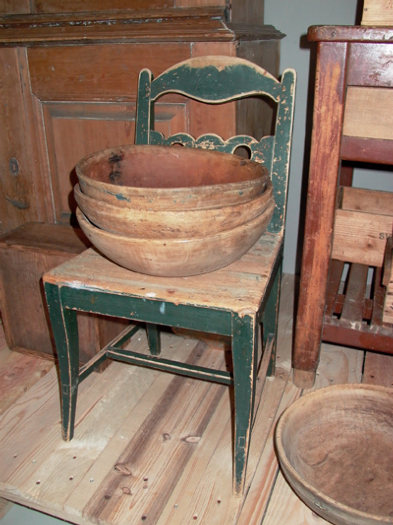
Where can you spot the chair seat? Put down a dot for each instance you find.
(235, 288)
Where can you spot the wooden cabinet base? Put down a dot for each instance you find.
(25, 255)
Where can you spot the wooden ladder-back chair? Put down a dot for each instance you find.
(233, 301)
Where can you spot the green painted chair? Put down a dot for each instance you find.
(234, 301)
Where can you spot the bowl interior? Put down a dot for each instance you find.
(167, 167)
(341, 444)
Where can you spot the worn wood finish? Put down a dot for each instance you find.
(351, 317)
(17, 204)
(351, 34)
(362, 224)
(170, 223)
(324, 163)
(178, 256)
(377, 13)
(366, 150)
(388, 300)
(25, 255)
(367, 113)
(361, 57)
(197, 24)
(160, 178)
(73, 83)
(227, 80)
(202, 487)
(330, 470)
(211, 80)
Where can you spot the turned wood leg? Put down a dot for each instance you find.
(244, 350)
(65, 331)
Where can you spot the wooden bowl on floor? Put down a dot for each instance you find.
(335, 447)
(169, 178)
(172, 223)
(177, 257)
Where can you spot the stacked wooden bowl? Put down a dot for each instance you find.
(172, 211)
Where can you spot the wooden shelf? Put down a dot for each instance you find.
(353, 315)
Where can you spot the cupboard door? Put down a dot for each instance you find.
(17, 203)
(73, 130)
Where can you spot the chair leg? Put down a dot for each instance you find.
(65, 331)
(244, 347)
(270, 320)
(153, 337)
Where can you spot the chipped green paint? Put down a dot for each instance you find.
(216, 80)
(213, 80)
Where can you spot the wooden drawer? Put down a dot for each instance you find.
(25, 255)
(363, 223)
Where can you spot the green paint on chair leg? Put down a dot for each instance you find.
(243, 350)
(65, 332)
(153, 336)
(270, 321)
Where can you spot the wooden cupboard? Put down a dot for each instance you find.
(68, 80)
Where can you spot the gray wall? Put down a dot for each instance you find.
(293, 17)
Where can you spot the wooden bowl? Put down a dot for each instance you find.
(335, 447)
(169, 178)
(177, 257)
(172, 223)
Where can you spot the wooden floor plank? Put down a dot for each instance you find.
(378, 369)
(99, 413)
(178, 505)
(146, 451)
(265, 475)
(157, 453)
(18, 373)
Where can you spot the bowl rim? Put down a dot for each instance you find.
(283, 458)
(170, 240)
(112, 208)
(225, 186)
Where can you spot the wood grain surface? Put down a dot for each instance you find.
(153, 447)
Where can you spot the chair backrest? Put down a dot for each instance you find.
(217, 80)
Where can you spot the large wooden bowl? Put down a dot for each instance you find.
(177, 257)
(171, 223)
(335, 448)
(169, 178)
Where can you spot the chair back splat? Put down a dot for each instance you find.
(239, 301)
(218, 80)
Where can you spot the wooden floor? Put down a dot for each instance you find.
(152, 447)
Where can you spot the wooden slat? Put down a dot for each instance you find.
(365, 60)
(335, 274)
(371, 201)
(349, 34)
(380, 292)
(367, 150)
(352, 312)
(378, 369)
(368, 113)
(377, 13)
(360, 237)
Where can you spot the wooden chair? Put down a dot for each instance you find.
(233, 301)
